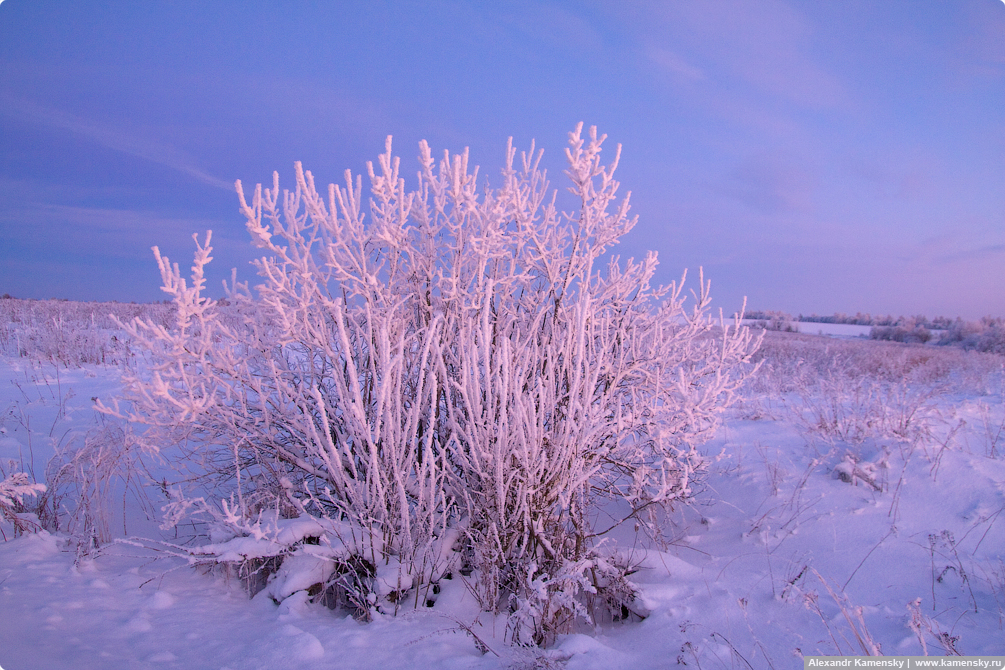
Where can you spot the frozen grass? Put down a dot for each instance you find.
(71, 333)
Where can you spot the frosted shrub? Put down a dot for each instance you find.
(453, 377)
(89, 478)
(987, 335)
(904, 332)
(14, 488)
(772, 320)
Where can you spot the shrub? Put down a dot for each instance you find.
(452, 379)
(14, 487)
(772, 320)
(987, 335)
(910, 330)
(84, 480)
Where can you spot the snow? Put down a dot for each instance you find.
(833, 329)
(775, 527)
(843, 330)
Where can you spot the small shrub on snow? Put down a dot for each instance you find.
(452, 379)
(772, 320)
(85, 479)
(987, 334)
(13, 490)
(906, 331)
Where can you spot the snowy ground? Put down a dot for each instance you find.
(765, 566)
(815, 328)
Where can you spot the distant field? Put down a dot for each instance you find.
(831, 329)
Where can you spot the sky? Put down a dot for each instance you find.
(813, 157)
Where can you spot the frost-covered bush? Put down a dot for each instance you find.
(987, 335)
(906, 330)
(14, 488)
(88, 480)
(772, 320)
(452, 374)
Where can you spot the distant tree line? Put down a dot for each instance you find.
(857, 319)
(986, 334)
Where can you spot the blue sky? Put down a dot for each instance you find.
(812, 156)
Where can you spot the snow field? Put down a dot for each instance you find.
(742, 579)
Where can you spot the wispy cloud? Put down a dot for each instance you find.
(116, 139)
(985, 252)
(671, 62)
(910, 176)
(551, 25)
(772, 185)
(766, 46)
(766, 43)
(95, 231)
